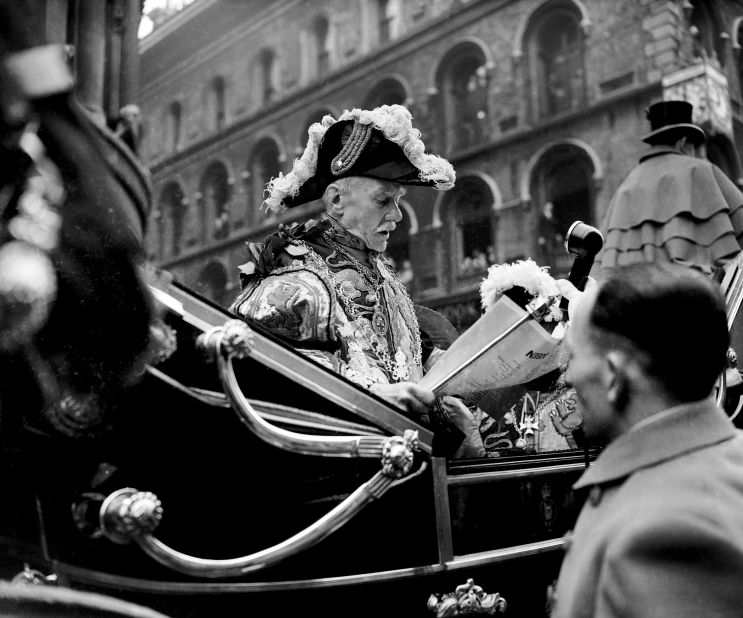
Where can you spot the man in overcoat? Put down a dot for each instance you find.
(661, 531)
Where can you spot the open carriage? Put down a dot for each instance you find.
(200, 501)
(240, 478)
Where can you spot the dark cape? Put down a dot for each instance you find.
(673, 208)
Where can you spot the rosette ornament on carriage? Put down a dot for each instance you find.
(672, 206)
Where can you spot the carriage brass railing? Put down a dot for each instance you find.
(732, 288)
(294, 366)
(234, 340)
(130, 515)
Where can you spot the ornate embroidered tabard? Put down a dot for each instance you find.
(362, 319)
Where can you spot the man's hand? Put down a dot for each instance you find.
(407, 395)
(571, 293)
(472, 445)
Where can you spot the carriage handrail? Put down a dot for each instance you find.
(732, 289)
(294, 366)
(129, 515)
(233, 340)
(268, 410)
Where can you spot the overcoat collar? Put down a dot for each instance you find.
(661, 149)
(665, 436)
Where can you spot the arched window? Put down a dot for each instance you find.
(721, 152)
(172, 215)
(383, 20)
(216, 104)
(263, 165)
(705, 29)
(314, 117)
(266, 80)
(321, 46)
(462, 81)
(562, 191)
(386, 92)
(173, 124)
(214, 199)
(468, 209)
(212, 282)
(556, 74)
(398, 250)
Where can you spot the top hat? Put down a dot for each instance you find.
(380, 143)
(670, 121)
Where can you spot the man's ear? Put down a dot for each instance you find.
(333, 201)
(617, 379)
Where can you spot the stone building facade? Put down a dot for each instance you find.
(539, 104)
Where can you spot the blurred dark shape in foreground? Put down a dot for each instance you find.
(74, 313)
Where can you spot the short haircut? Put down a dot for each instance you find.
(348, 184)
(674, 316)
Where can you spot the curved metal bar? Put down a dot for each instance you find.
(468, 561)
(331, 521)
(474, 478)
(269, 410)
(233, 340)
(722, 389)
(329, 446)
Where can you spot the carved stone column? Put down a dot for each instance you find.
(91, 55)
(130, 52)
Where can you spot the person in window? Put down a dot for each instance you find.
(673, 207)
(549, 238)
(324, 285)
(661, 532)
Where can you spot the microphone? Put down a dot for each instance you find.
(584, 242)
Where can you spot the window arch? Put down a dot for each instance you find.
(320, 52)
(173, 126)
(462, 81)
(555, 69)
(468, 212)
(389, 91)
(562, 191)
(314, 117)
(213, 282)
(721, 152)
(214, 201)
(216, 110)
(264, 164)
(265, 80)
(172, 215)
(398, 248)
(385, 20)
(705, 29)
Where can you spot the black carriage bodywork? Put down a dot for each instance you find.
(226, 493)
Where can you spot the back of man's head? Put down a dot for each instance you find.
(674, 317)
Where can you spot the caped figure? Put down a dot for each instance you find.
(660, 533)
(673, 207)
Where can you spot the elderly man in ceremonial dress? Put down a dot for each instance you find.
(325, 286)
(661, 531)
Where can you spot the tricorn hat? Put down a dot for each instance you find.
(380, 143)
(670, 121)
